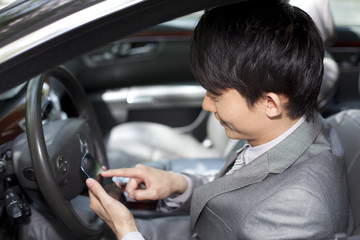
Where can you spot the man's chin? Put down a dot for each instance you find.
(232, 134)
(229, 133)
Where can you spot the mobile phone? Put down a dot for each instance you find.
(92, 169)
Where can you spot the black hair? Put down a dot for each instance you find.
(257, 47)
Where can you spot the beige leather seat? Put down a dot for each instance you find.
(141, 142)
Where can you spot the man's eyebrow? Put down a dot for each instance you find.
(214, 96)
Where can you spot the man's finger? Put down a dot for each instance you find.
(95, 188)
(138, 172)
(122, 172)
(95, 203)
(143, 195)
(133, 184)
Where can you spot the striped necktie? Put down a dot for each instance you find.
(240, 160)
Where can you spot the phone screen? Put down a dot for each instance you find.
(92, 169)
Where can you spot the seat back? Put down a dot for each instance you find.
(347, 125)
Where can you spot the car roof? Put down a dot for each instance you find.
(38, 35)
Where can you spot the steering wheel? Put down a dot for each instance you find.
(56, 150)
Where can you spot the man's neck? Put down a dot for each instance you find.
(277, 127)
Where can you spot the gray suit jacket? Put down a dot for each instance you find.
(296, 190)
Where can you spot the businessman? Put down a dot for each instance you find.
(261, 63)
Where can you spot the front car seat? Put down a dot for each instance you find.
(347, 125)
(144, 142)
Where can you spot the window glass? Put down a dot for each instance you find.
(346, 12)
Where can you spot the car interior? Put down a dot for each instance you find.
(139, 92)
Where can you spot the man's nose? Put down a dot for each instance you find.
(208, 104)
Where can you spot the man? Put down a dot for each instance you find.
(261, 64)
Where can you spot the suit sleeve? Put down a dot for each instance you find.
(182, 203)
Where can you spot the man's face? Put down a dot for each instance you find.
(234, 114)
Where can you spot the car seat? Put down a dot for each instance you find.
(141, 142)
(347, 125)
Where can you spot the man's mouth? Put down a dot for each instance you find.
(222, 123)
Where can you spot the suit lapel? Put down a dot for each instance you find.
(276, 160)
(249, 174)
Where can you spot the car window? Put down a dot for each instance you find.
(346, 12)
(187, 22)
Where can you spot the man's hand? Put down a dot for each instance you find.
(115, 214)
(159, 184)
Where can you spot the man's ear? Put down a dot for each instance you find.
(274, 105)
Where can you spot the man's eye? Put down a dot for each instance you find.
(214, 98)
